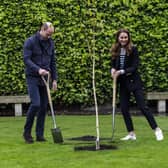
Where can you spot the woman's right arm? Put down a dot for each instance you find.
(113, 65)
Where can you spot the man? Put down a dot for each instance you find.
(39, 59)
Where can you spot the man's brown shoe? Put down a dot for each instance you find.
(28, 138)
(41, 139)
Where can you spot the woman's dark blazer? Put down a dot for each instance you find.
(131, 78)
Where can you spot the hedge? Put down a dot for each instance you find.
(76, 22)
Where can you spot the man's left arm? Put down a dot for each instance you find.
(53, 67)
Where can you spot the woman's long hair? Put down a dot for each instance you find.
(115, 49)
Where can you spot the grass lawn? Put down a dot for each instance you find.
(145, 152)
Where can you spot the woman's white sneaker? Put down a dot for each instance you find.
(159, 134)
(129, 137)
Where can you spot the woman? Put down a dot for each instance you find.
(125, 62)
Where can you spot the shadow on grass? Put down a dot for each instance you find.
(93, 148)
(88, 139)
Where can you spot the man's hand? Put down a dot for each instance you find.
(54, 85)
(43, 72)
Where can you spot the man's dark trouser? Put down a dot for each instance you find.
(38, 106)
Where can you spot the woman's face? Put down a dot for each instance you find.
(123, 39)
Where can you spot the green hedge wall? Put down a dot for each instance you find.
(75, 26)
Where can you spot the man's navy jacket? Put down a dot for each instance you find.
(38, 54)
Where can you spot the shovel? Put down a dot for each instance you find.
(114, 106)
(56, 132)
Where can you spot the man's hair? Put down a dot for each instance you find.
(46, 25)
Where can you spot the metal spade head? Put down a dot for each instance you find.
(57, 135)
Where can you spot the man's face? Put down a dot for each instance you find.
(48, 33)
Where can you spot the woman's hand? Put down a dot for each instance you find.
(115, 73)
